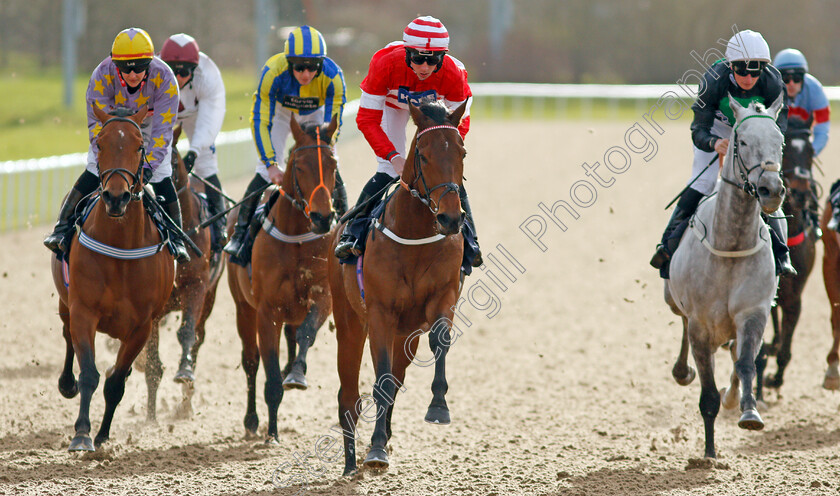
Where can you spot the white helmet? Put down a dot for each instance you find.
(747, 45)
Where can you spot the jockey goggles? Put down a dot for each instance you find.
(430, 58)
(795, 76)
(135, 66)
(748, 67)
(183, 69)
(311, 65)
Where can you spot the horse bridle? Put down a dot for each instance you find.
(426, 197)
(743, 170)
(125, 173)
(302, 204)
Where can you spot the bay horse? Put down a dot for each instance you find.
(194, 293)
(831, 279)
(797, 160)
(119, 276)
(411, 282)
(286, 281)
(722, 275)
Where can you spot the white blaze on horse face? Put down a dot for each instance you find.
(798, 144)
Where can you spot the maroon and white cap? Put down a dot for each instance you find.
(426, 34)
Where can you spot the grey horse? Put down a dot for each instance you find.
(722, 277)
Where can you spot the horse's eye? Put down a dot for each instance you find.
(742, 143)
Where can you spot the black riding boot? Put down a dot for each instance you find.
(173, 210)
(781, 252)
(246, 211)
(685, 208)
(218, 236)
(84, 186)
(339, 196)
(465, 205)
(370, 196)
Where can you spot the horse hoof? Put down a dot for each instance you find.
(751, 420)
(437, 415)
(688, 378)
(295, 380)
(68, 391)
(761, 406)
(832, 377)
(99, 441)
(728, 402)
(772, 381)
(350, 471)
(184, 376)
(377, 459)
(272, 441)
(82, 442)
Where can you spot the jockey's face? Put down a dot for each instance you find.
(746, 82)
(133, 79)
(793, 82)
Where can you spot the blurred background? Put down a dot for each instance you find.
(548, 41)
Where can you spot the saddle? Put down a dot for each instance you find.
(244, 256)
(85, 207)
(360, 227)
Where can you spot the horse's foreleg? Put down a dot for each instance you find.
(405, 349)
(246, 325)
(67, 384)
(790, 317)
(115, 380)
(290, 332)
(192, 306)
(351, 344)
(83, 333)
(154, 371)
(439, 342)
(730, 396)
(704, 358)
(381, 335)
(682, 372)
(268, 327)
(760, 367)
(750, 331)
(305, 337)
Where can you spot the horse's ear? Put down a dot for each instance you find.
(737, 108)
(297, 132)
(100, 114)
(333, 127)
(458, 113)
(140, 115)
(416, 113)
(776, 107)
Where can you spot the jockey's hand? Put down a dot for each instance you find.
(398, 163)
(275, 174)
(147, 174)
(189, 160)
(721, 146)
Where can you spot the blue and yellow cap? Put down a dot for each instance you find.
(305, 42)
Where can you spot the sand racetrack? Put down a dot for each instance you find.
(560, 385)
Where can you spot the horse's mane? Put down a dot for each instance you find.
(435, 110)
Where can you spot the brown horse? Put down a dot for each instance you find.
(411, 283)
(115, 293)
(797, 160)
(287, 279)
(194, 293)
(831, 279)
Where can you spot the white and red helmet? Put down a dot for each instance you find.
(426, 34)
(180, 49)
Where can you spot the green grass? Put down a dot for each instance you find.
(35, 123)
